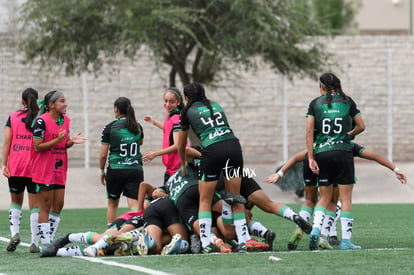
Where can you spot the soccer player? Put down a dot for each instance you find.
(50, 162)
(17, 165)
(255, 196)
(173, 104)
(221, 148)
(126, 222)
(122, 138)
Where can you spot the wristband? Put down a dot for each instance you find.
(280, 173)
(396, 169)
(101, 171)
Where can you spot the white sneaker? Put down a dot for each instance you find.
(91, 251)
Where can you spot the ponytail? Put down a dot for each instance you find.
(195, 92)
(131, 122)
(30, 97)
(125, 108)
(333, 86)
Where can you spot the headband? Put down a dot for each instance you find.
(176, 93)
(55, 96)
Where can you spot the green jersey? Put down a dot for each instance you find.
(207, 129)
(124, 146)
(332, 124)
(177, 183)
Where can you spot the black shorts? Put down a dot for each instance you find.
(50, 187)
(188, 205)
(162, 213)
(335, 167)
(226, 155)
(18, 184)
(309, 178)
(247, 187)
(123, 182)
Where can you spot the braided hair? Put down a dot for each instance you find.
(333, 86)
(30, 97)
(125, 108)
(195, 92)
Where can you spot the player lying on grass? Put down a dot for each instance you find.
(183, 191)
(124, 223)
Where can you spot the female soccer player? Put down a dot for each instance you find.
(122, 138)
(328, 142)
(221, 149)
(173, 104)
(50, 162)
(17, 166)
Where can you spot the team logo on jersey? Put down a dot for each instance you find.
(58, 163)
(218, 133)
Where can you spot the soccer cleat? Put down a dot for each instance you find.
(253, 245)
(195, 244)
(234, 245)
(91, 251)
(61, 242)
(242, 248)
(231, 198)
(302, 223)
(143, 242)
(221, 246)
(14, 242)
(173, 247)
(34, 248)
(295, 239)
(208, 249)
(269, 237)
(122, 237)
(348, 245)
(324, 244)
(333, 240)
(314, 239)
(49, 251)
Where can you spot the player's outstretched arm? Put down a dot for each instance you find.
(288, 165)
(366, 154)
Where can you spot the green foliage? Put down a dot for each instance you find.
(198, 39)
(335, 17)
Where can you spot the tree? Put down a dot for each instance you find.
(335, 17)
(197, 39)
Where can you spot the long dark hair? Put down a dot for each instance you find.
(333, 85)
(195, 92)
(30, 97)
(125, 108)
(178, 96)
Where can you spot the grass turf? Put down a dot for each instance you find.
(383, 231)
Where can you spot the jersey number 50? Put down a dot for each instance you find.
(133, 149)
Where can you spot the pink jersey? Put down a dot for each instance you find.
(50, 166)
(21, 147)
(171, 161)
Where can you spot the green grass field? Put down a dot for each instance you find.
(385, 233)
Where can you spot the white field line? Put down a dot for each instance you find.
(102, 261)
